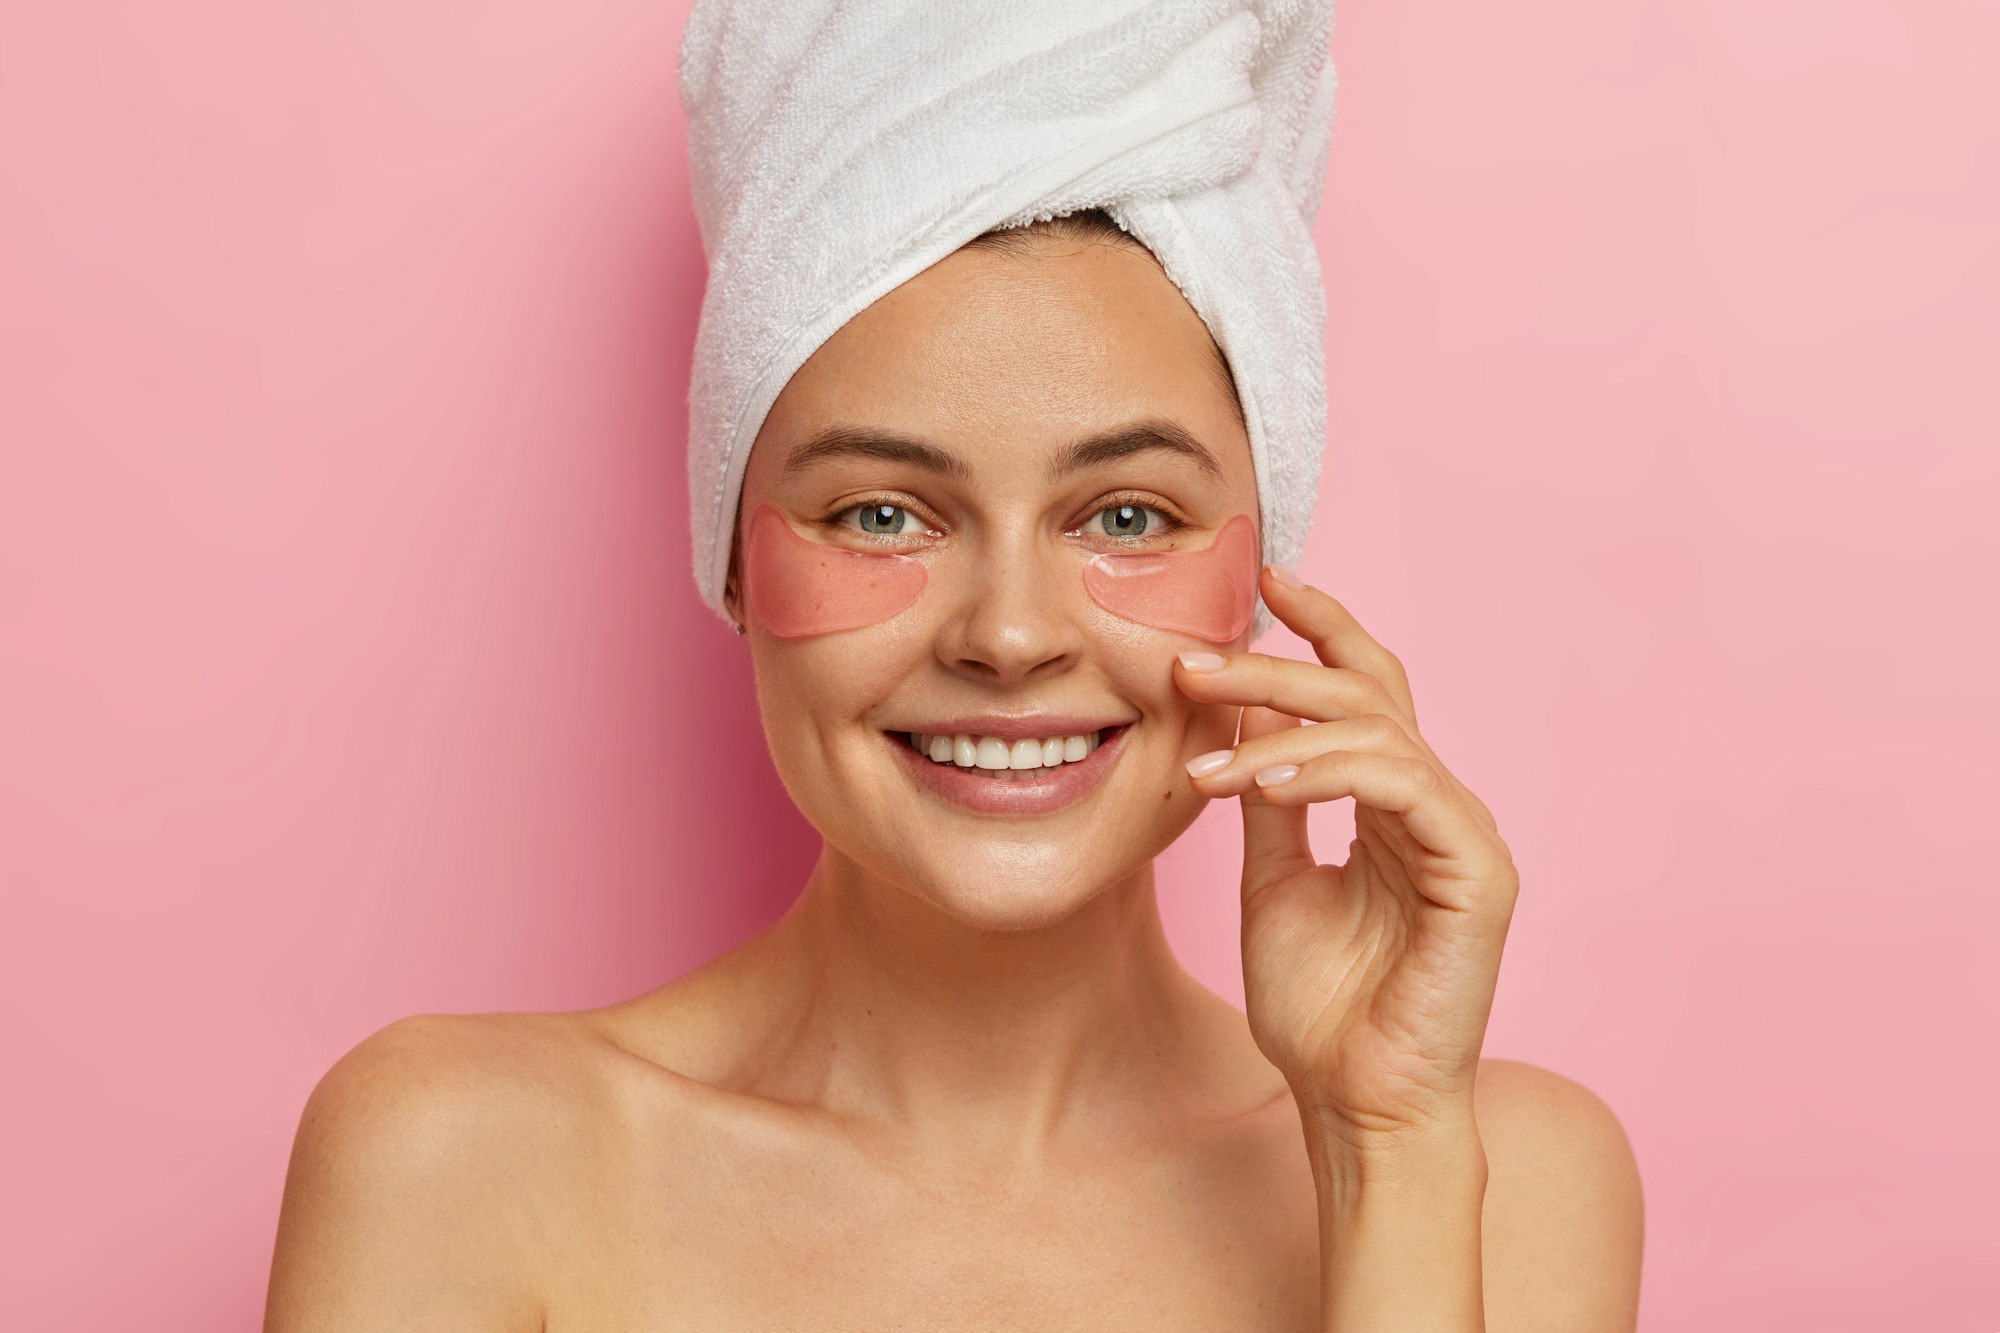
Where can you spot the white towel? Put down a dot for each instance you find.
(840, 147)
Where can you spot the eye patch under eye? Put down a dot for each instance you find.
(799, 587)
(1210, 594)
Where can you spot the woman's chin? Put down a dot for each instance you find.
(1003, 893)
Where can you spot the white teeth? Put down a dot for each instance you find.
(997, 754)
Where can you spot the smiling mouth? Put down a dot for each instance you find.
(1004, 760)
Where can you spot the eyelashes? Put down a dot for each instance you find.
(883, 520)
(1132, 512)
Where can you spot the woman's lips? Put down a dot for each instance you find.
(1049, 790)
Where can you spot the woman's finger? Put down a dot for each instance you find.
(1303, 689)
(1233, 772)
(1276, 843)
(1227, 773)
(1318, 693)
(1443, 825)
(1336, 637)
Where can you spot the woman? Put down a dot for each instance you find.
(963, 1082)
(995, 551)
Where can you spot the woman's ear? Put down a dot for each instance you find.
(731, 599)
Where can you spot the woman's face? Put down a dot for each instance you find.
(941, 425)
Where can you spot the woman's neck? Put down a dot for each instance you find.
(874, 1003)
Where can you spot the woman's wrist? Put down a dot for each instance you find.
(1399, 1225)
(1442, 1150)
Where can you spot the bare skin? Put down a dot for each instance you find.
(963, 1083)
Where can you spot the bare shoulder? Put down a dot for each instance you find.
(422, 1161)
(1564, 1221)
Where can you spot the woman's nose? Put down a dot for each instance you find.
(1013, 620)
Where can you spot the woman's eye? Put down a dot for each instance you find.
(1131, 520)
(881, 520)
(1119, 520)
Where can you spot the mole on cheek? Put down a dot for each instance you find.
(797, 587)
(1210, 594)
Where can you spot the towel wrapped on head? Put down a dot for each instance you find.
(840, 147)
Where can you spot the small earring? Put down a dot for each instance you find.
(740, 631)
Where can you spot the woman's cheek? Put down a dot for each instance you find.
(1210, 594)
(799, 588)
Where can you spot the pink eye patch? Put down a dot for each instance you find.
(1210, 594)
(799, 587)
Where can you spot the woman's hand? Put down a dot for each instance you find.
(1367, 984)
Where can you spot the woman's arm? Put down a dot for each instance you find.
(402, 1206)
(1399, 1227)
(1530, 1221)
(1369, 984)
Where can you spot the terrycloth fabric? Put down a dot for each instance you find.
(840, 147)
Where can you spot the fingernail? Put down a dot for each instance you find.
(1204, 764)
(1288, 576)
(1271, 777)
(1202, 661)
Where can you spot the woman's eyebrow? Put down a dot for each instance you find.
(1136, 438)
(1151, 433)
(863, 442)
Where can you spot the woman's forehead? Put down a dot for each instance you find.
(983, 333)
(1025, 355)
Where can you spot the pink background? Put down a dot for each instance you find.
(350, 664)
